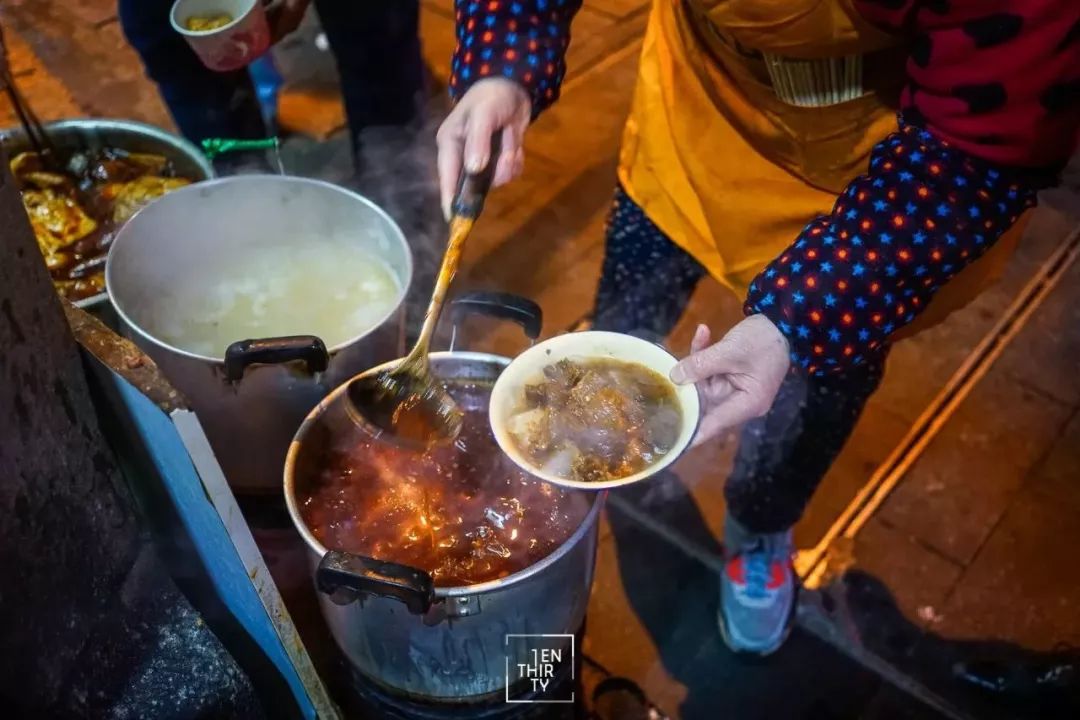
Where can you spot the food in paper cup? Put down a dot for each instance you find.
(200, 23)
(225, 34)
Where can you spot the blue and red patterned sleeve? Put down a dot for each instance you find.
(991, 86)
(853, 277)
(522, 40)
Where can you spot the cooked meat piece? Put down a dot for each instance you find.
(599, 420)
(79, 289)
(125, 167)
(47, 181)
(57, 219)
(128, 197)
(58, 261)
(559, 379)
(536, 395)
(76, 213)
(25, 162)
(589, 468)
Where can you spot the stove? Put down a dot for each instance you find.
(361, 697)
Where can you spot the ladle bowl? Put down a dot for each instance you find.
(407, 403)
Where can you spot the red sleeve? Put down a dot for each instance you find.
(998, 79)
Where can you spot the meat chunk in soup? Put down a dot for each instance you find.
(597, 420)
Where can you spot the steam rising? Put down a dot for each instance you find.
(397, 170)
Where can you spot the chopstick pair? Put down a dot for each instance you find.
(39, 139)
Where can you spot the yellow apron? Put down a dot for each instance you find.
(730, 172)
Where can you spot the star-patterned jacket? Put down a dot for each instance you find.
(991, 110)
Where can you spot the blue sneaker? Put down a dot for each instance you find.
(757, 590)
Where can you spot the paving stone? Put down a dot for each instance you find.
(594, 35)
(95, 63)
(1058, 476)
(924, 660)
(1046, 353)
(91, 12)
(585, 127)
(563, 303)
(895, 590)
(530, 249)
(955, 493)
(46, 95)
(1023, 586)
(658, 626)
(939, 664)
(875, 436)
(919, 578)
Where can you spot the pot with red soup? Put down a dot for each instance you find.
(426, 559)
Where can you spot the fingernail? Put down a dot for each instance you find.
(678, 375)
(475, 164)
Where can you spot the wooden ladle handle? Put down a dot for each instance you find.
(473, 188)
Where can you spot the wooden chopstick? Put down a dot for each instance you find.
(35, 132)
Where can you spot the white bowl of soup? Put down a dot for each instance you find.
(593, 410)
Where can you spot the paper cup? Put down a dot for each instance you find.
(231, 46)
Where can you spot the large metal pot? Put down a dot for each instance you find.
(95, 134)
(251, 400)
(442, 644)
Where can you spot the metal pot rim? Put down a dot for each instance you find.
(134, 126)
(214, 182)
(440, 592)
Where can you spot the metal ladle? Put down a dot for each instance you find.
(407, 402)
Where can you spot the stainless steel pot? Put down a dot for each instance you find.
(443, 644)
(96, 134)
(251, 400)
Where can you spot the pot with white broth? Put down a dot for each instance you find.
(256, 295)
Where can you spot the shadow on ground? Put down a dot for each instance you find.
(980, 678)
(675, 598)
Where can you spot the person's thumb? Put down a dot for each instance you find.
(703, 364)
(700, 341)
(702, 338)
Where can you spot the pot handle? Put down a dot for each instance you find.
(366, 576)
(502, 306)
(273, 351)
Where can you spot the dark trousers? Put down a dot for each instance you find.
(376, 44)
(645, 285)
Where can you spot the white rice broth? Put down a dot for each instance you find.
(328, 287)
